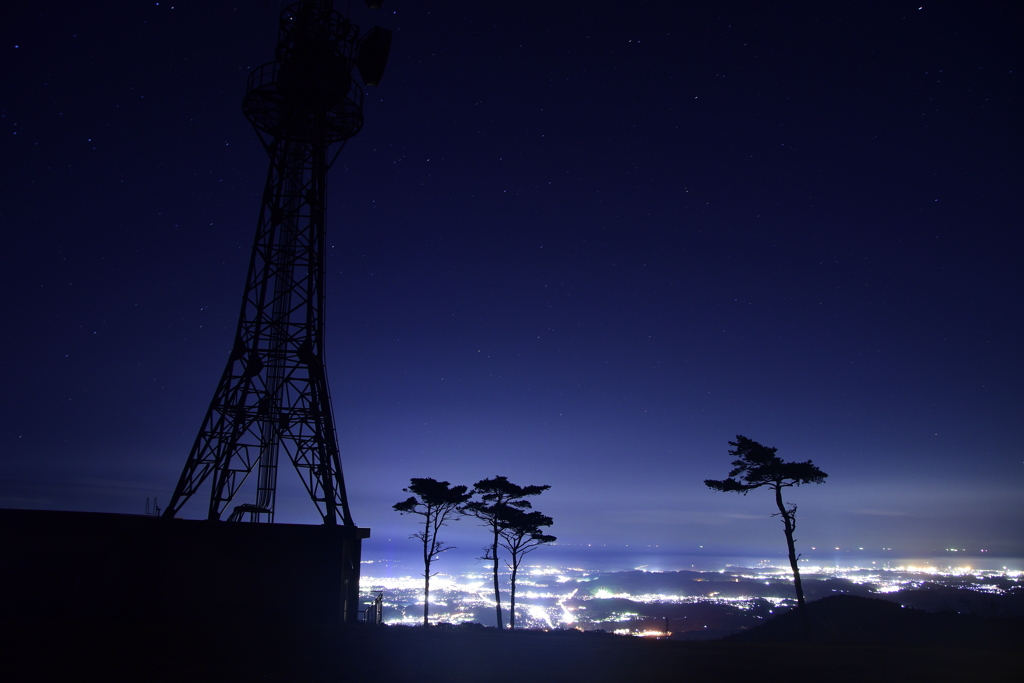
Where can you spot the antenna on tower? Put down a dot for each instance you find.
(273, 398)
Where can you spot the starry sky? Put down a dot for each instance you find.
(582, 244)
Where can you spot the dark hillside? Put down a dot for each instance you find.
(853, 620)
(166, 653)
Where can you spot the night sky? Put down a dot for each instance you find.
(582, 244)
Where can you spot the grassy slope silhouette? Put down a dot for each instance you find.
(856, 639)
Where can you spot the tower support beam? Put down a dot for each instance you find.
(273, 403)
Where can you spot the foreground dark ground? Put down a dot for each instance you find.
(254, 653)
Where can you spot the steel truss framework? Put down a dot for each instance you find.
(273, 398)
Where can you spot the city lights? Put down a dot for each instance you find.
(685, 602)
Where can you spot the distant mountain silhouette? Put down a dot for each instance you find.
(938, 598)
(854, 620)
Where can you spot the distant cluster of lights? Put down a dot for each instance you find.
(453, 599)
(741, 601)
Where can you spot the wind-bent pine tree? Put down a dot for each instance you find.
(497, 497)
(437, 502)
(522, 535)
(758, 466)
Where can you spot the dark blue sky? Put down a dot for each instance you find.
(581, 244)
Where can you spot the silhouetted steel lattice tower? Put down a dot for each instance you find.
(273, 399)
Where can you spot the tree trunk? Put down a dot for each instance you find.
(426, 597)
(427, 558)
(512, 596)
(497, 589)
(789, 519)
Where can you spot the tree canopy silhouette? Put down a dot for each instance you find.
(436, 501)
(758, 466)
(499, 496)
(522, 535)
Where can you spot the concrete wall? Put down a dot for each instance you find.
(97, 566)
